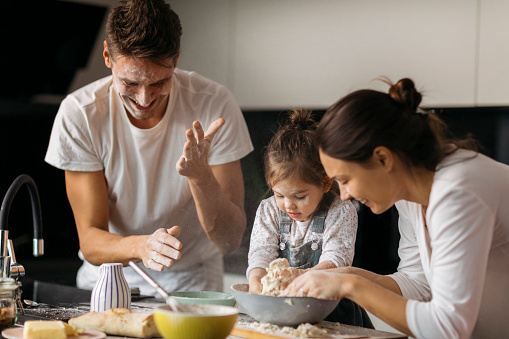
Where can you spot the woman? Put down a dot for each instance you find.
(453, 204)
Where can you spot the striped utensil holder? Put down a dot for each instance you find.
(111, 290)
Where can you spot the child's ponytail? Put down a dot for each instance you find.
(292, 152)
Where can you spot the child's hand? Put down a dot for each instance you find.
(255, 280)
(255, 287)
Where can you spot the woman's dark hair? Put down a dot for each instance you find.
(292, 152)
(143, 29)
(363, 120)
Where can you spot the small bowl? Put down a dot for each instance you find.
(204, 297)
(208, 322)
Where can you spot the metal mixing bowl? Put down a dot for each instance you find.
(284, 311)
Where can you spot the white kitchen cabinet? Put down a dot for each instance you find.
(280, 54)
(493, 84)
(207, 38)
(310, 53)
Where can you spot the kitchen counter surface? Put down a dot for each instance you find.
(50, 297)
(246, 327)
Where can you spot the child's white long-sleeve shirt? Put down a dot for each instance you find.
(340, 231)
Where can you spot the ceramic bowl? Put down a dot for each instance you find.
(204, 297)
(283, 311)
(205, 322)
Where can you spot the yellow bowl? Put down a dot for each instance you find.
(208, 322)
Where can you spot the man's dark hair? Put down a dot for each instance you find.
(147, 29)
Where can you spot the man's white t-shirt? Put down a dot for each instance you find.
(92, 132)
(455, 270)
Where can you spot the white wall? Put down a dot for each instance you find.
(278, 54)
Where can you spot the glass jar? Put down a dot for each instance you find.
(8, 308)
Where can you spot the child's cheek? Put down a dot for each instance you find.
(280, 204)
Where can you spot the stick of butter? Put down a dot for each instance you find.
(47, 329)
(71, 331)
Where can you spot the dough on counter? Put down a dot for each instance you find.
(305, 330)
(118, 321)
(279, 275)
(309, 331)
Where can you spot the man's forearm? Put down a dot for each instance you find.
(100, 246)
(223, 221)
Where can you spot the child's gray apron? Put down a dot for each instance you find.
(308, 255)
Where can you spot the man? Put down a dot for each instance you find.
(128, 180)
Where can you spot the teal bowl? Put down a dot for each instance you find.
(204, 297)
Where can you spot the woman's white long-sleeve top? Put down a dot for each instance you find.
(454, 264)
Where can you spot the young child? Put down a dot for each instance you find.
(304, 221)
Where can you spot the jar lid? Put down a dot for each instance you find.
(7, 284)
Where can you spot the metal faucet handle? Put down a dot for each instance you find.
(5, 267)
(10, 251)
(16, 270)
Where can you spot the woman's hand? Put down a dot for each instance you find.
(161, 248)
(320, 284)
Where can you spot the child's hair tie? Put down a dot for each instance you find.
(304, 125)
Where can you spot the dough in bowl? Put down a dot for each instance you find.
(279, 275)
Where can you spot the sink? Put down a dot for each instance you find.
(56, 301)
(53, 293)
(62, 302)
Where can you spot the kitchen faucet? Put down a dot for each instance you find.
(9, 268)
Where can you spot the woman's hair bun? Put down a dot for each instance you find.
(404, 92)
